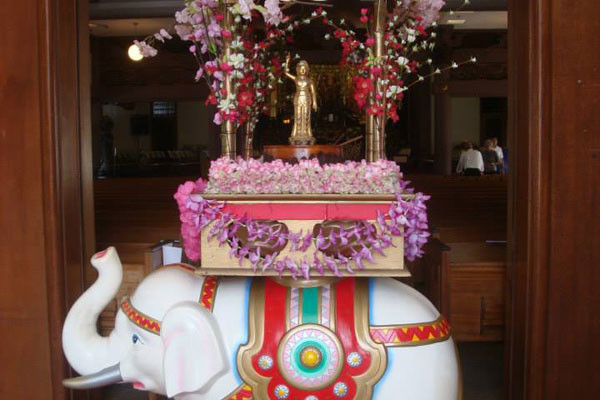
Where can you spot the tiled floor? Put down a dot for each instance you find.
(481, 363)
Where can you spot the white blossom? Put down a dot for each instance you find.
(237, 60)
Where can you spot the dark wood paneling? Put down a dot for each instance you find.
(41, 208)
(475, 282)
(552, 348)
(573, 348)
(134, 213)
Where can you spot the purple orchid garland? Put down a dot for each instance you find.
(406, 217)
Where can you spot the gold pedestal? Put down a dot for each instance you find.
(302, 141)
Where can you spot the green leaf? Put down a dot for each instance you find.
(260, 9)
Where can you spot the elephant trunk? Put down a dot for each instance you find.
(85, 349)
(107, 376)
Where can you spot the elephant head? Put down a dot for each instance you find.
(166, 342)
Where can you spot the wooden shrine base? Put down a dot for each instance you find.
(288, 152)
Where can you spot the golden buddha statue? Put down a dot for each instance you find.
(305, 98)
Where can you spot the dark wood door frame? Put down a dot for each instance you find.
(528, 195)
(46, 209)
(540, 85)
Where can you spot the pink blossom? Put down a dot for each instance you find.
(214, 30)
(199, 74)
(217, 120)
(145, 49)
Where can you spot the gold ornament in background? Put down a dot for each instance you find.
(305, 98)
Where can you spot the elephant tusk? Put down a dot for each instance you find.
(104, 377)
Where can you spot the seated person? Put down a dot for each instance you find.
(470, 162)
(490, 158)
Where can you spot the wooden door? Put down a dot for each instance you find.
(553, 350)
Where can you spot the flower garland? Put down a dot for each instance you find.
(255, 60)
(307, 176)
(406, 217)
(406, 38)
(204, 23)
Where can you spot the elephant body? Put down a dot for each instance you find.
(184, 335)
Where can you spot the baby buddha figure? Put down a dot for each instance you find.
(305, 98)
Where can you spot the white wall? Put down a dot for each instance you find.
(465, 120)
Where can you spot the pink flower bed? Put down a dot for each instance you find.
(308, 176)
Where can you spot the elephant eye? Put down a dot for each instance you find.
(135, 338)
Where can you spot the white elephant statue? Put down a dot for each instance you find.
(194, 337)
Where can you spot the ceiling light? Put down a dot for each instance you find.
(134, 53)
(456, 21)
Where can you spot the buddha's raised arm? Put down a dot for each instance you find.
(287, 68)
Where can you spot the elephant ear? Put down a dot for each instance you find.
(194, 354)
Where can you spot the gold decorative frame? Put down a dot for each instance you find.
(256, 323)
(256, 319)
(366, 381)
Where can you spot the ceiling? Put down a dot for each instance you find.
(140, 27)
(117, 9)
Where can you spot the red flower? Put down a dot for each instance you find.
(245, 98)
(211, 100)
(364, 84)
(376, 70)
(375, 109)
(339, 33)
(246, 80)
(360, 98)
(226, 67)
(210, 69)
(413, 65)
(393, 112)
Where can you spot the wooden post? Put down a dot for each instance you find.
(443, 137)
(248, 141)
(228, 137)
(443, 106)
(375, 126)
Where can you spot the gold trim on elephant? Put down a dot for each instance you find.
(140, 319)
(366, 381)
(418, 334)
(256, 323)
